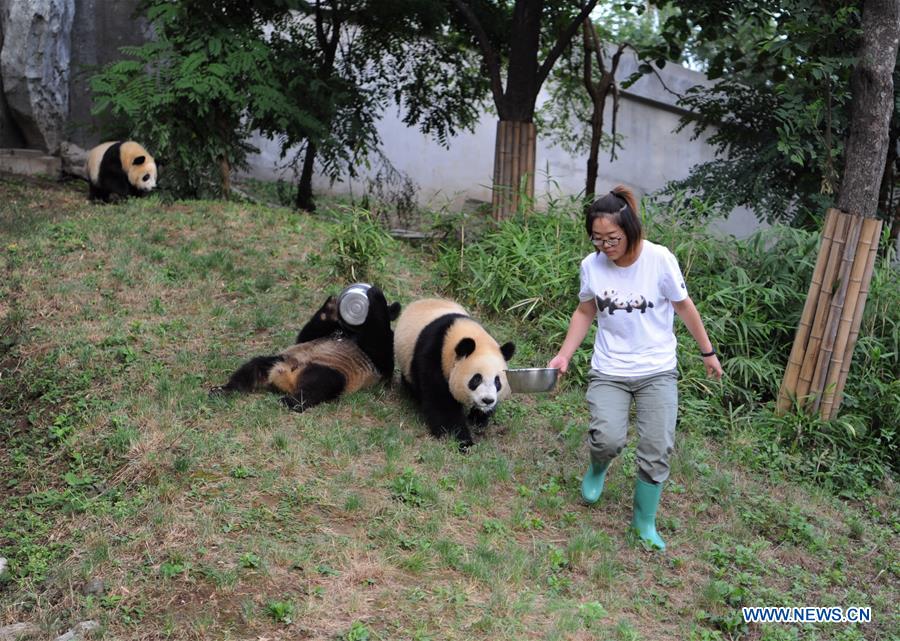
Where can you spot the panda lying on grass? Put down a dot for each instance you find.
(326, 361)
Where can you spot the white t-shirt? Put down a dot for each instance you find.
(634, 311)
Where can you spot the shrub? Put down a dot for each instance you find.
(193, 94)
(358, 245)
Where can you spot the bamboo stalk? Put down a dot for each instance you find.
(495, 192)
(516, 166)
(521, 164)
(817, 326)
(848, 312)
(506, 172)
(835, 309)
(506, 176)
(857, 318)
(792, 370)
(532, 158)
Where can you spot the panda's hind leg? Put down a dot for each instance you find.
(408, 388)
(317, 384)
(250, 376)
(96, 193)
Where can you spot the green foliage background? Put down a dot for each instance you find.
(778, 108)
(193, 94)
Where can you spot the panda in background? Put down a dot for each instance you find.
(120, 168)
(326, 361)
(451, 366)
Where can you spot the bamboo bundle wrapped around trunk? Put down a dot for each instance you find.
(851, 317)
(829, 326)
(822, 305)
(514, 158)
(835, 308)
(795, 361)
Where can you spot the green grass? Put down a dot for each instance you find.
(214, 518)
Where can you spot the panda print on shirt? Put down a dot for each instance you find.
(613, 301)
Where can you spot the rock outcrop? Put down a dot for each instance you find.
(35, 67)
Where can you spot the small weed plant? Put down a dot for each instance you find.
(281, 611)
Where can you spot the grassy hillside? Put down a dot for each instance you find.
(209, 518)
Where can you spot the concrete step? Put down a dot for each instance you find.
(29, 162)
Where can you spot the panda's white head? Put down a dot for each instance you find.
(138, 165)
(477, 378)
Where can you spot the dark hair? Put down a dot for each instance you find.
(620, 206)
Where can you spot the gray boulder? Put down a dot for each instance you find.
(34, 65)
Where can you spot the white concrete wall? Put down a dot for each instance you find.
(653, 153)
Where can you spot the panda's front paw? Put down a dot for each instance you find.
(480, 419)
(292, 403)
(464, 439)
(329, 311)
(218, 390)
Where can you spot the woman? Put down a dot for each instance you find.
(633, 288)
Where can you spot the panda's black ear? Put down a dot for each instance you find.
(139, 160)
(394, 311)
(508, 349)
(465, 347)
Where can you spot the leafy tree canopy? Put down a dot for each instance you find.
(566, 115)
(194, 92)
(314, 73)
(780, 105)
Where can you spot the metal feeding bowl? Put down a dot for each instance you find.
(532, 379)
(353, 304)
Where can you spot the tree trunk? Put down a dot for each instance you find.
(304, 187)
(327, 37)
(887, 199)
(225, 172)
(513, 167)
(598, 92)
(823, 347)
(514, 159)
(593, 166)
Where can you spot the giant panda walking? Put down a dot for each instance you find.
(120, 168)
(451, 365)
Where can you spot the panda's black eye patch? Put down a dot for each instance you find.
(474, 382)
(139, 160)
(497, 383)
(146, 177)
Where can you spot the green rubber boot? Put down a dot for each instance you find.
(646, 500)
(592, 482)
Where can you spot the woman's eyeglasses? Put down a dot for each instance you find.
(604, 242)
